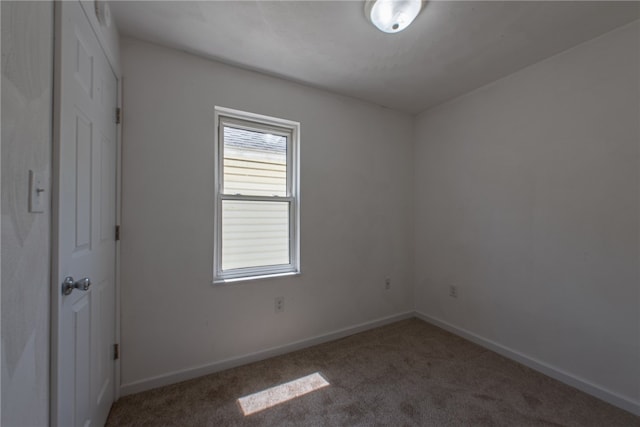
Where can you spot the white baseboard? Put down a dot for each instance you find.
(198, 371)
(550, 371)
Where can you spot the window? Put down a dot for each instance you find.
(256, 197)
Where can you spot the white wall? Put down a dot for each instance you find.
(27, 68)
(527, 199)
(356, 210)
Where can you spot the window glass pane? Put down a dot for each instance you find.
(254, 234)
(255, 163)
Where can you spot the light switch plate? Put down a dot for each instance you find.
(37, 196)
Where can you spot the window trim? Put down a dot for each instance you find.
(259, 122)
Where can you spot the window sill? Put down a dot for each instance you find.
(251, 278)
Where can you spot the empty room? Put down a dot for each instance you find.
(322, 213)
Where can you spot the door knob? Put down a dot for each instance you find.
(69, 285)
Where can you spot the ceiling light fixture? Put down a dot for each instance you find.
(392, 16)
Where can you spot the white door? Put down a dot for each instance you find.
(83, 321)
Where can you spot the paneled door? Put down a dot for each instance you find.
(84, 220)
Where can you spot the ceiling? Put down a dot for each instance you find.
(451, 48)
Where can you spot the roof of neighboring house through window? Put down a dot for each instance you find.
(252, 140)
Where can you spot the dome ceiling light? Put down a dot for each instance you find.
(392, 16)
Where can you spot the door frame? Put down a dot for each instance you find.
(55, 287)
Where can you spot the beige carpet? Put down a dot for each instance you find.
(408, 373)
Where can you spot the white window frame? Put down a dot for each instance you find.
(273, 125)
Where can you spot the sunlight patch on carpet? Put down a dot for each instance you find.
(273, 396)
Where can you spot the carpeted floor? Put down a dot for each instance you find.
(409, 373)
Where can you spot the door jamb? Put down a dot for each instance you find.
(55, 198)
(117, 366)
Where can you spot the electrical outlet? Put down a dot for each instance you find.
(387, 283)
(279, 304)
(453, 291)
